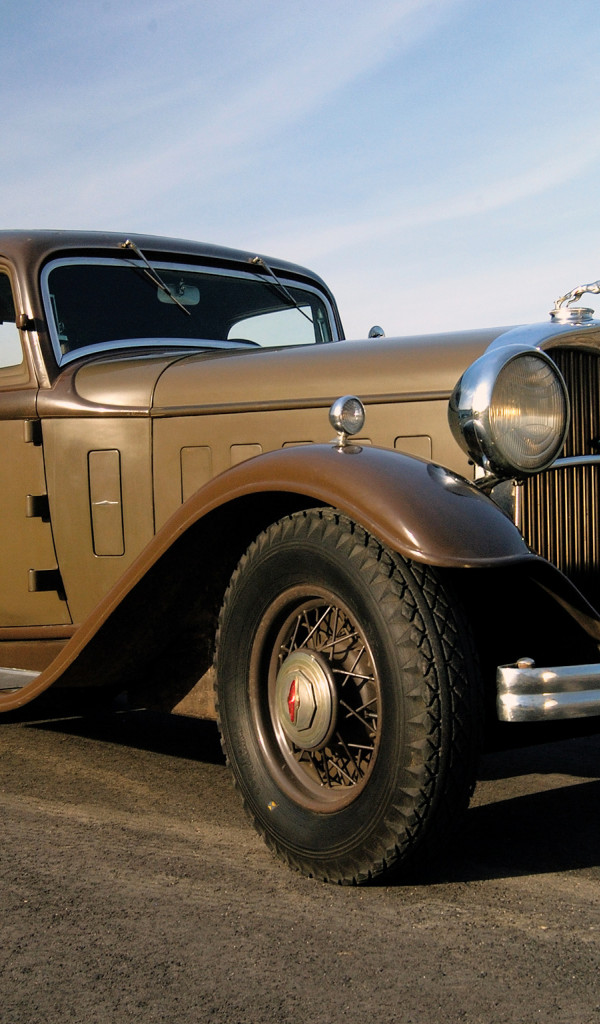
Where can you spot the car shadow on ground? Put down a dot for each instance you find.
(551, 831)
(535, 809)
(172, 735)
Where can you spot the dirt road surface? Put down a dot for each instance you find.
(132, 889)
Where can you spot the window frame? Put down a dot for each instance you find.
(163, 266)
(15, 375)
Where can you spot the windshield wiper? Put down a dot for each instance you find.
(153, 275)
(258, 261)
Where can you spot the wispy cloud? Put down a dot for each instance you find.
(368, 140)
(126, 135)
(407, 213)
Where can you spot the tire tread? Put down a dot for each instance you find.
(444, 708)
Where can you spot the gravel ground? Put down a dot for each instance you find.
(133, 889)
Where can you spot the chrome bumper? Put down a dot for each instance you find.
(526, 693)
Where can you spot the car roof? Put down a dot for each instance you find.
(40, 245)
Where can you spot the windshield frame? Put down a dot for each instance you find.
(174, 343)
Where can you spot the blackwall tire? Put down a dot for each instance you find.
(347, 699)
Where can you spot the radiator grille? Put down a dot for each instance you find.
(561, 508)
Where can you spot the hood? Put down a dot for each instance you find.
(288, 378)
(179, 382)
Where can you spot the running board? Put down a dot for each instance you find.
(13, 679)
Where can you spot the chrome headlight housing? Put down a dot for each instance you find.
(510, 411)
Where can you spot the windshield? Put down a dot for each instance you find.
(111, 303)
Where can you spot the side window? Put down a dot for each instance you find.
(11, 353)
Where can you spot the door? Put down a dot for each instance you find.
(30, 589)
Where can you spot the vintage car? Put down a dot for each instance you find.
(353, 554)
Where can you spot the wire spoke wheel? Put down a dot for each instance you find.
(322, 706)
(347, 699)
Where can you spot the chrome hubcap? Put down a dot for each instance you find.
(305, 699)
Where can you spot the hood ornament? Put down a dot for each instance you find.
(564, 313)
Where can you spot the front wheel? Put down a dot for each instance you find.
(347, 699)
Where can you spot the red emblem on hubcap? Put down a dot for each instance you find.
(292, 701)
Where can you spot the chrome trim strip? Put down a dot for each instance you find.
(16, 678)
(575, 460)
(532, 694)
(544, 335)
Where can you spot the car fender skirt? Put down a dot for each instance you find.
(416, 508)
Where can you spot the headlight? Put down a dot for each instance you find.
(347, 416)
(510, 411)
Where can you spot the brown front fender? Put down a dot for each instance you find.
(416, 508)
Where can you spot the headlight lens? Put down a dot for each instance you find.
(527, 413)
(510, 411)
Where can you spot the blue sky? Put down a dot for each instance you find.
(436, 161)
